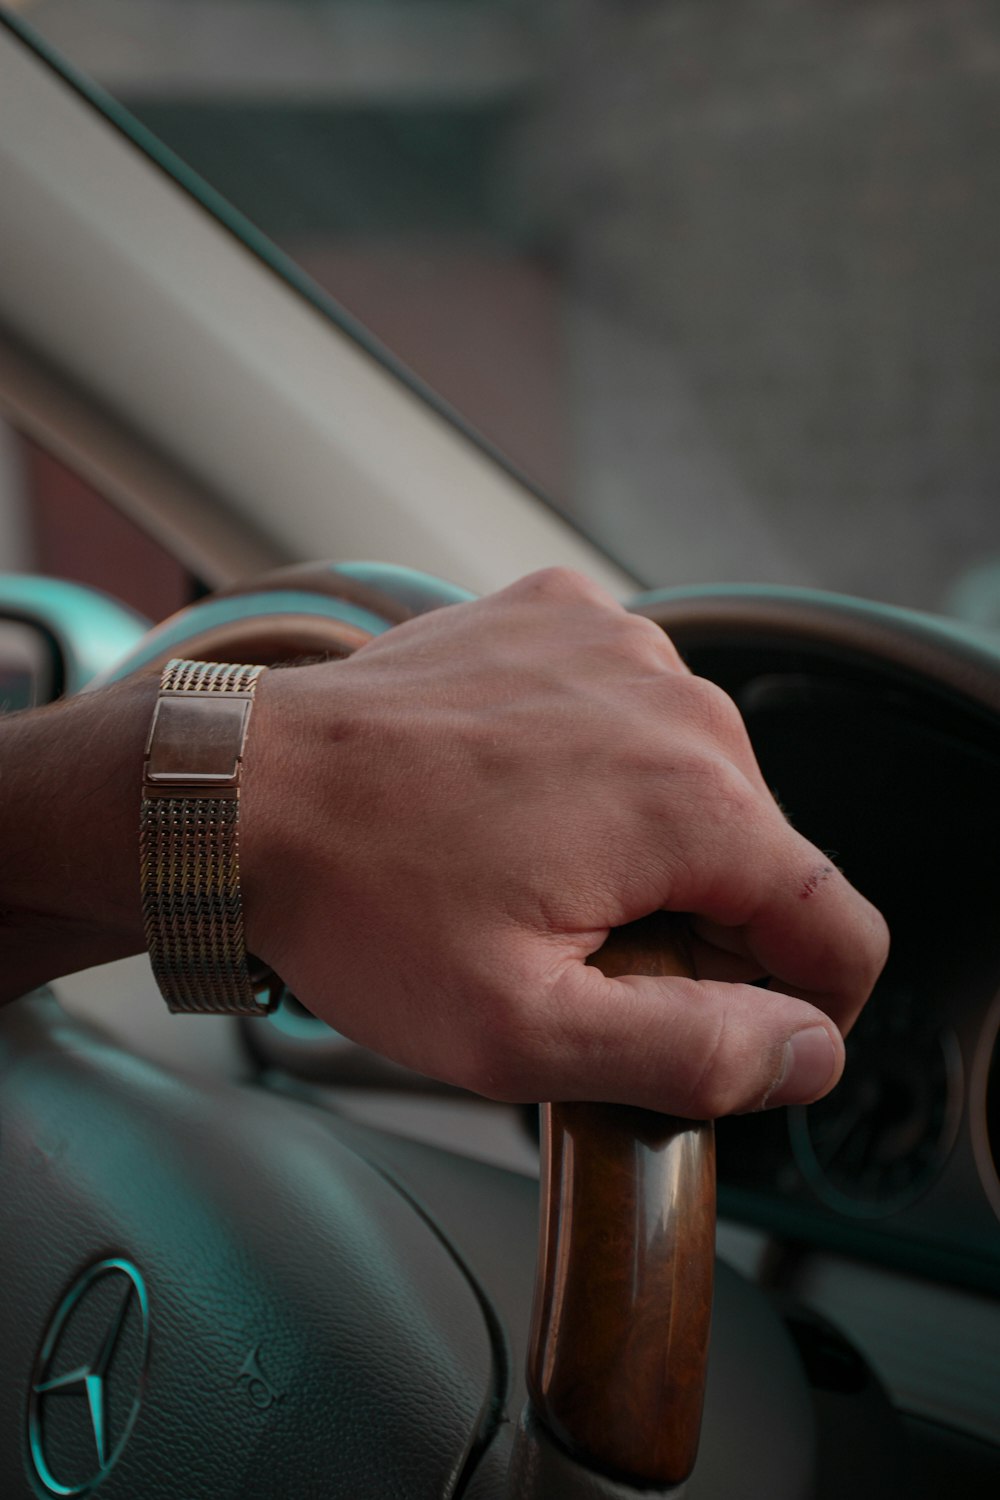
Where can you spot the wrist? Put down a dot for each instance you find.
(304, 756)
(268, 843)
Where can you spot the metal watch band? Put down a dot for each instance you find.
(189, 841)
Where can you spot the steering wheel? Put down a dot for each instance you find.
(225, 1291)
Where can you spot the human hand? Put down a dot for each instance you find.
(438, 831)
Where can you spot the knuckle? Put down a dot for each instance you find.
(714, 712)
(715, 1088)
(561, 583)
(874, 951)
(656, 636)
(644, 641)
(720, 788)
(854, 935)
(880, 938)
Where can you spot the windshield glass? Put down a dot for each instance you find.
(720, 280)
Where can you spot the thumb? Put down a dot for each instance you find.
(697, 1048)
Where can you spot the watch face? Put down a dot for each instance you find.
(197, 738)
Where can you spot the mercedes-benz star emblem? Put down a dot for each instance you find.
(94, 1351)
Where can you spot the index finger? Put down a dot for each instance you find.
(773, 897)
(819, 939)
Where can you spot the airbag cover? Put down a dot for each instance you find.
(309, 1333)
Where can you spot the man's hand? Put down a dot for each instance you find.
(439, 831)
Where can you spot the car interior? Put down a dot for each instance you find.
(249, 1258)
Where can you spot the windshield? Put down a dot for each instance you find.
(720, 280)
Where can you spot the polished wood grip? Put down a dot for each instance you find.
(623, 1290)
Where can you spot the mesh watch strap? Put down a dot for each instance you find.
(189, 841)
(181, 676)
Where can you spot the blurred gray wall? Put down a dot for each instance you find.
(782, 222)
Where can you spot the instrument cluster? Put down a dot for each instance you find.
(901, 1159)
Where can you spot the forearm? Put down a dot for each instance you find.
(70, 778)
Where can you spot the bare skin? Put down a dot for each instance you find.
(439, 831)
